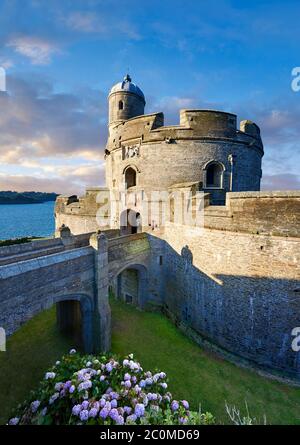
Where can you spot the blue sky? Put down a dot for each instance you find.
(62, 57)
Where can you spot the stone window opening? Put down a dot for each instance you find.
(130, 178)
(214, 175)
(121, 105)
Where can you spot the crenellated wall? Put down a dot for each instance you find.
(80, 214)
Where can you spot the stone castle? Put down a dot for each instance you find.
(232, 282)
(205, 152)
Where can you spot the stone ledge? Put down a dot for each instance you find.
(32, 246)
(20, 267)
(264, 194)
(30, 255)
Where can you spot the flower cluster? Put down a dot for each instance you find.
(106, 391)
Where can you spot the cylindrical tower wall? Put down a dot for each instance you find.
(124, 105)
(161, 165)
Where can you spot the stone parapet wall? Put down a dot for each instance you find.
(80, 214)
(273, 213)
(270, 213)
(16, 249)
(35, 249)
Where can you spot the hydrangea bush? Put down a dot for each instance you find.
(104, 391)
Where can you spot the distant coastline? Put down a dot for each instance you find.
(11, 197)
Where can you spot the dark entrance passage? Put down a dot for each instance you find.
(132, 285)
(69, 321)
(130, 222)
(128, 286)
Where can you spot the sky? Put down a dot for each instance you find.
(62, 57)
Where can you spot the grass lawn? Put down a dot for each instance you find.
(30, 351)
(194, 374)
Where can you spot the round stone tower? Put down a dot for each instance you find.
(125, 100)
(206, 152)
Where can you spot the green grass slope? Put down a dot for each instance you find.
(195, 375)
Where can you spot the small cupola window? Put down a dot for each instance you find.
(121, 105)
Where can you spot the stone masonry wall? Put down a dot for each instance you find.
(238, 290)
(28, 287)
(141, 252)
(274, 213)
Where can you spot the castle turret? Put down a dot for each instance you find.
(126, 100)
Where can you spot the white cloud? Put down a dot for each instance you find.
(39, 123)
(50, 141)
(6, 63)
(283, 181)
(85, 22)
(38, 50)
(61, 179)
(91, 22)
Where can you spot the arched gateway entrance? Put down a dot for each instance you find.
(132, 285)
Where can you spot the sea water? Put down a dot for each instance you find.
(20, 220)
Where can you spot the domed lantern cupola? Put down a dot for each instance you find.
(126, 100)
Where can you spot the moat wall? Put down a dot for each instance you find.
(235, 287)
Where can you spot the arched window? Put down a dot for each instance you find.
(214, 175)
(130, 178)
(121, 105)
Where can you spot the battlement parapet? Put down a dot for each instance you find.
(194, 124)
(89, 204)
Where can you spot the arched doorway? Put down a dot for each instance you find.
(130, 222)
(132, 285)
(75, 319)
